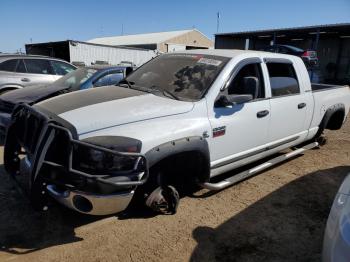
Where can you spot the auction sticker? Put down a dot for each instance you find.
(209, 61)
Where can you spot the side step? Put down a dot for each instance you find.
(250, 172)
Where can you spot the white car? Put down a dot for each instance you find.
(182, 118)
(336, 244)
(18, 71)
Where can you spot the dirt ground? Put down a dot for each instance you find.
(278, 215)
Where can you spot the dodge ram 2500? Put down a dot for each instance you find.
(181, 118)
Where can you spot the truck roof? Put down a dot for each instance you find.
(231, 52)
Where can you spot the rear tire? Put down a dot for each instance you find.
(321, 140)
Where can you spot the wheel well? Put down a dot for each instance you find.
(6, 89)
(332, 119)
(183, 169)
(336, 120)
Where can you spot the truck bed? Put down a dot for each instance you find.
(324, 87)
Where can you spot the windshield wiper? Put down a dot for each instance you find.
(164, 92)
(168, 93)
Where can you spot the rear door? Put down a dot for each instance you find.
(290, 104)
(39, 71)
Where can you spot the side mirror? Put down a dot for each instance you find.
(231, 100)
(223, 101)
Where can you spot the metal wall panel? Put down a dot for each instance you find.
(89, 53)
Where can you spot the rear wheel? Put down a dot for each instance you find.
(321, 140)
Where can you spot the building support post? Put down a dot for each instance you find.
(317, 39)
(246, 47)
(315, 48)
(337, 62)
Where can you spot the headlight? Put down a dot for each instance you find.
(97, 161)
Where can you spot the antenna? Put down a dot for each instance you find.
(122, 29)
(217, 22)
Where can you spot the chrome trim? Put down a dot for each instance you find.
(101, 204)
(253, 171)
(253, 153)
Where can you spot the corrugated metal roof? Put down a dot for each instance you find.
(139, 39)
(325, 26)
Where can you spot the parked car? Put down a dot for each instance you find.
(79, 79)
(336, 244)
(308, 56)
(17, 71)
(182, 118)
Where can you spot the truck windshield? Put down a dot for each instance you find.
(74, 79)
(183, 76)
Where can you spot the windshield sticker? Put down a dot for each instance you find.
(196, 57)
(209, 61)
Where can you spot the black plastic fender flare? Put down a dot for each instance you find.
(327, 116)
(188, 144)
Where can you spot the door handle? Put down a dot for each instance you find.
(301, 105)
(262, 113)
(25, 79)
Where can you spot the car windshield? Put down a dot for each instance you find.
(179, 76)
(75, 79)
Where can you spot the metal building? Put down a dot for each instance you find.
(332, 43)
(89, 53)
(161, 41)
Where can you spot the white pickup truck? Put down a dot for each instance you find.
(181, 118)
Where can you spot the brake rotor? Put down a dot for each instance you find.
(164, 200)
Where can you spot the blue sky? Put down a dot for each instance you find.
(41, 21)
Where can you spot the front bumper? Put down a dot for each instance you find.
(91, 204)
(100, 194)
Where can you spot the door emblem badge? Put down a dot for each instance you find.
(219, 131)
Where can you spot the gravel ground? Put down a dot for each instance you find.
(278, 215)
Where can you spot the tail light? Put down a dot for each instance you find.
(309, 54)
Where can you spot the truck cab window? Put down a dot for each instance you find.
(283, 79)
(237, 87)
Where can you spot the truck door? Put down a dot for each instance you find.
(289, 103)
(239, 129)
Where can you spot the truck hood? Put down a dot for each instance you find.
(104, 107)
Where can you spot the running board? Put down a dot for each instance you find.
(250, 172)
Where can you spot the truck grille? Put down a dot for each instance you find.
(29, 126)
(6, 107)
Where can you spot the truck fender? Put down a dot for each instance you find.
(195, 144)
(328, 120)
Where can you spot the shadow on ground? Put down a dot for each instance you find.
(286, 225)
(23, 230)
